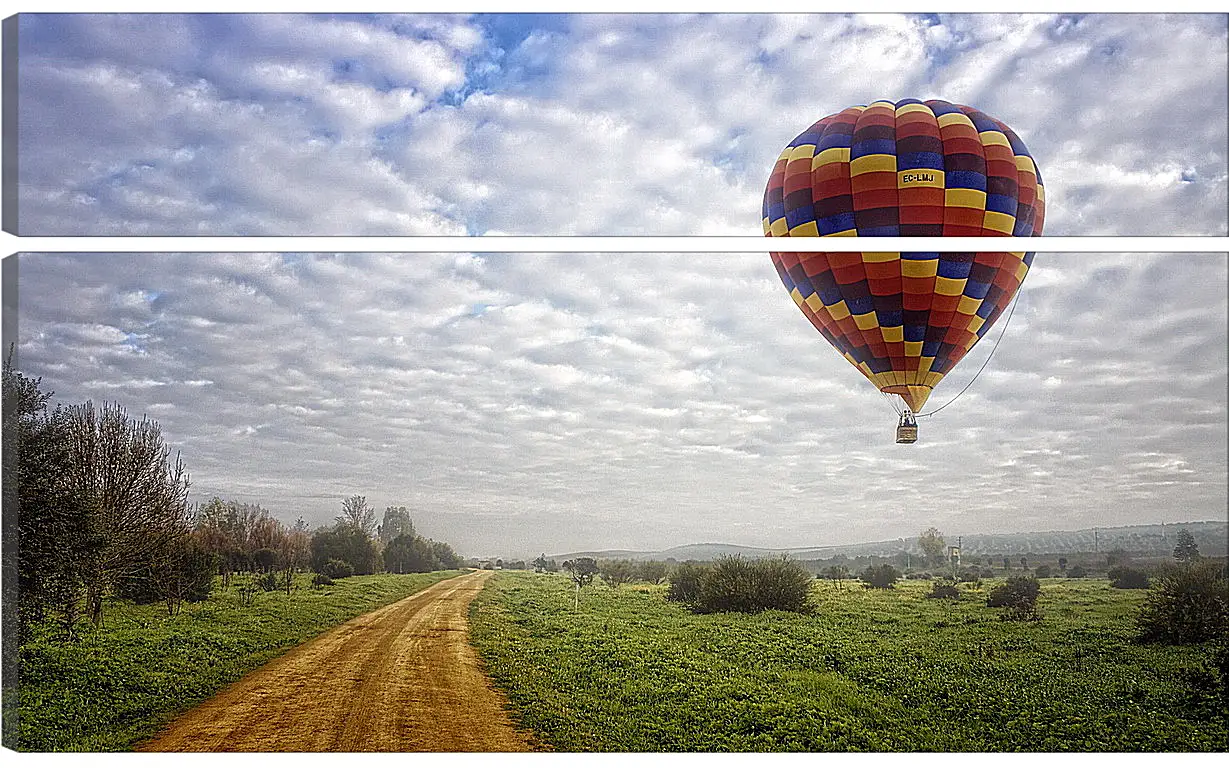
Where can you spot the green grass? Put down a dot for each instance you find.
(115, 686)
(871, 670)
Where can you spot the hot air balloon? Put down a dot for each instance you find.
(905, 169)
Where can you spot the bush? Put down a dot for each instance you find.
(268, 582)
(743, 586)
(944, 589)
(320, 580)
(1077, 572)
(1189, 604)
(685, 583)
(987, 573)
(970, 575)
(781, 584)
(265, 558)
(1018, 595)
(1043, 571)
(1122, 577)
(337, 569)
(880, 577)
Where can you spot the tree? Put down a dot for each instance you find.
(1077, 572)
(582, 571)
(396, 523)
(685, 582)
(837, 573)
(135, 495)
(1042, 571)
(616, 572)
(54, 533)
(1062, 565)
(880, 577)
(652, 571)
(356, 514)
(539, 564)
(343, 542)
(931, 542)
(1185, 551)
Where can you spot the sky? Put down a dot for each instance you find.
(271, 124)
(529, 403)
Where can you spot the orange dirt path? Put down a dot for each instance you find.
(403, 678)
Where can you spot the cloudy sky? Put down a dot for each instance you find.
(551, 402)
(583, 124)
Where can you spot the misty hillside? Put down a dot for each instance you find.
(1210, 536)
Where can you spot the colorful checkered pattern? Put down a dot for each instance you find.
(909, 169)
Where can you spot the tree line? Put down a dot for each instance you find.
(101, 510)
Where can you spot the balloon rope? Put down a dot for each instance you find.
(1006, 323)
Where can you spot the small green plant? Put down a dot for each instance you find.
(269, 582)
(321, 580)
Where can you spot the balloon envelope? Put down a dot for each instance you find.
(908, 169)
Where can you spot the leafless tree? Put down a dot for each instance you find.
(135, 495)
(356, 514)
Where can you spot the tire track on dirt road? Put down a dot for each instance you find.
(402, 678)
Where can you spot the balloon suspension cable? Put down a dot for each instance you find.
(998, 341)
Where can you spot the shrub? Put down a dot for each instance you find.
(685, 583)
(616, 572)
(780, 584)
(1043, 571)
(944, 589)
(1189, 604)
(320, 580)
(744, 586)
(1122, 577)
(1077, 572)
(337, 569)
(880, 577)
(987, 573)
(268, 582)
(1018, 595)
(970, 575)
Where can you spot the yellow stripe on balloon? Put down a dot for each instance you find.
(999, 222)
(806, 229)
(913, 349)
(968, 305)
(872, 164)
(919, 267)
(838, 310)
(779, 228)
(829, 156)
(866, 322)
(949, 286)
(802, 152)
(907, 108)
(873, 257)
(954, 118)
(989, 138)
(894, 334)
(814, 302)
(965, 198)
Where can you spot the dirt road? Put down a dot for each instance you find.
(402, 678)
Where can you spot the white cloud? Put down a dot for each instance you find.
(605, 400)
(601, 124)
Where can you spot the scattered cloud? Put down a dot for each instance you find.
(550, 402)
(585, 124)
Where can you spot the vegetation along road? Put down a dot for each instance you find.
(402, 678)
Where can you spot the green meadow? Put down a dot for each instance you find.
(869, 670)
(116, 685)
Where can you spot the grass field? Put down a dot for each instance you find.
(877, 670)
(117, 685)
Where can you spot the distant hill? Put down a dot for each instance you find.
(1211, 536)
